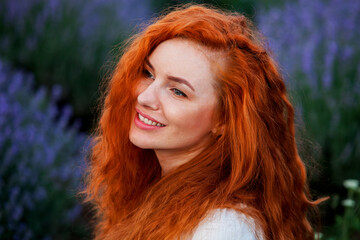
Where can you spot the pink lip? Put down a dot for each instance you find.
(143, 125)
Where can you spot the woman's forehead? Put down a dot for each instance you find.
(187, 57)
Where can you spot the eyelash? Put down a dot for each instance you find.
(148, 74)
(176, 91)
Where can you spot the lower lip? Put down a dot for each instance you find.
(143, 125)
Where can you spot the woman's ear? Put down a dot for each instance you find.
(219, 129)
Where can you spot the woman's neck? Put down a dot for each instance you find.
(171, 159)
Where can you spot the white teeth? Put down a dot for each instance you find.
(149, 122)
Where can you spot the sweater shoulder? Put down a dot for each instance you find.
(221, 224)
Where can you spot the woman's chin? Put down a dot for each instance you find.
(141, 143)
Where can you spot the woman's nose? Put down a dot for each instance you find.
(148, 97)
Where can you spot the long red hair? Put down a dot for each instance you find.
(254, 162)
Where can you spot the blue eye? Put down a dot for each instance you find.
(148, 74)
(178, 92)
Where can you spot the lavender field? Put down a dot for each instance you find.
(317, 45)
(54, 54)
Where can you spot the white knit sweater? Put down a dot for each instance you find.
(226, 224)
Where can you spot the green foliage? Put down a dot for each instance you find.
(63, 42)
(347, 224)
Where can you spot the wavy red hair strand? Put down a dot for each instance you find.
(253, 163)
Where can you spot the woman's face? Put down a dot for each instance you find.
(176, 99)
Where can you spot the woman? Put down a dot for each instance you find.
(196, 138)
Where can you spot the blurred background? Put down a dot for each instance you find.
(54, 54)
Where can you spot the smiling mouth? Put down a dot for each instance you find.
(149, 122)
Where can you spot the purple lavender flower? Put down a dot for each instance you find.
(316, 41)
(35, 142)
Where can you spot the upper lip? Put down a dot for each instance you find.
(148, 117)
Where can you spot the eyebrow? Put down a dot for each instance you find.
(173, 78)
(181, 80)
